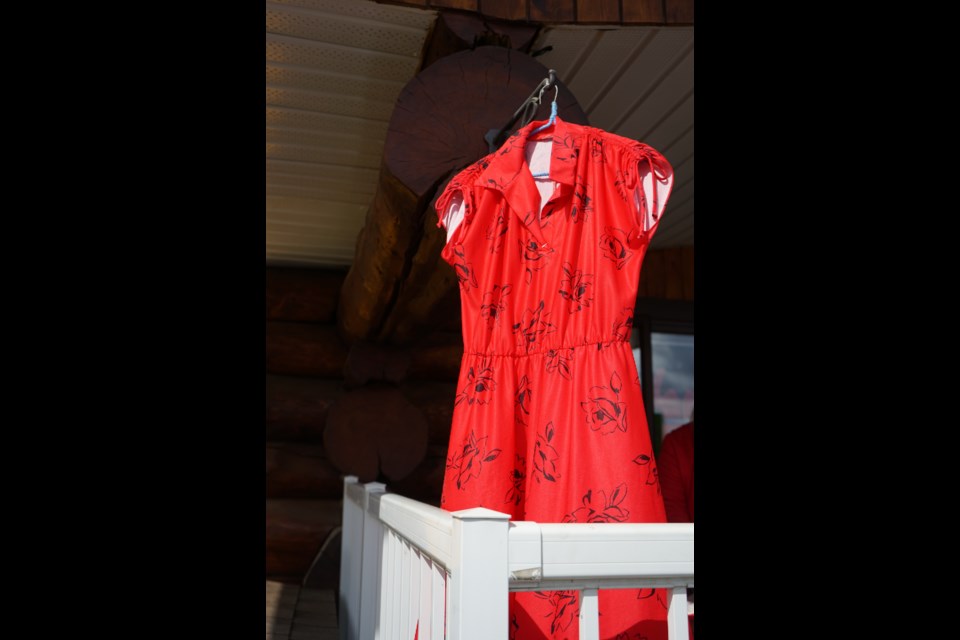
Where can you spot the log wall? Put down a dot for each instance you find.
(622, 12)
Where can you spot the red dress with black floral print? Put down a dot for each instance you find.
(549, 423)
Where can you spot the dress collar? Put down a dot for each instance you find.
(507, 170)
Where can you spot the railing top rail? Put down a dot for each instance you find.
(611, 554)
(427, 527)
(544, 554)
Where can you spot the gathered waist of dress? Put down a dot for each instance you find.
(544, 349)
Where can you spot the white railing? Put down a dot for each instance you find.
(409, 567)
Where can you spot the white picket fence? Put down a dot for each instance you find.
(404, 561)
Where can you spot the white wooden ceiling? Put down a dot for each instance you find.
(335, 68)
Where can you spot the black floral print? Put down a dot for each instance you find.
(564, 609)
(519, 474)
(513, 143)
(599, 507)
(613, 243)
(605, 412)
(493, 304)
(649, 593)
(560, 360)
(566, 148)
(533, 325)
(653, 476)
(497, 230)
(535, 256)
(480, 384)
(547, 213)
(577, 288)
(582, 204)
(498, 183)
(545, 456)
(468, 462)
(596, 150)
(463, 268)
(522, 403)
(623, 325)
(621, 183)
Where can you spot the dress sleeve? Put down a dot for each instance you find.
(648, 178)
(455, 205)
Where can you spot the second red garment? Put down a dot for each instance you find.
(549, 423)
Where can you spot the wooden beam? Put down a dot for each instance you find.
(295, 348)
(437, 357)
(643, 12)
(366, 362)
(303, 295)
(556, 11)
(598, 11)
(294, 533)
(467, 5)
(506, 9)
(296, 470)
(552, 11)
(297, 407)
(428, 283)
(679, 11)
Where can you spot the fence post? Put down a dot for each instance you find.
(479, 587)
(589, 615)
(372, 546)
(350, 562)
(678, 625)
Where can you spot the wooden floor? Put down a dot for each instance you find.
(296, 613)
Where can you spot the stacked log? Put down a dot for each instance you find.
(374, 411)
(305, 358)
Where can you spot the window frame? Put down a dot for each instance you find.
(662, 316)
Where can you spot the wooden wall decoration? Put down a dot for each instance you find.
(375, 432)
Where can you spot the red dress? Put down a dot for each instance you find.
(549, 423)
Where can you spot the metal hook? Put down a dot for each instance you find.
(551, 81)
(556, 94)
(527, 110)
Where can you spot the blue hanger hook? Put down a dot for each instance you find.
(553, 111)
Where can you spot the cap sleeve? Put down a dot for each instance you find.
(455, 205)
(648, 178)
